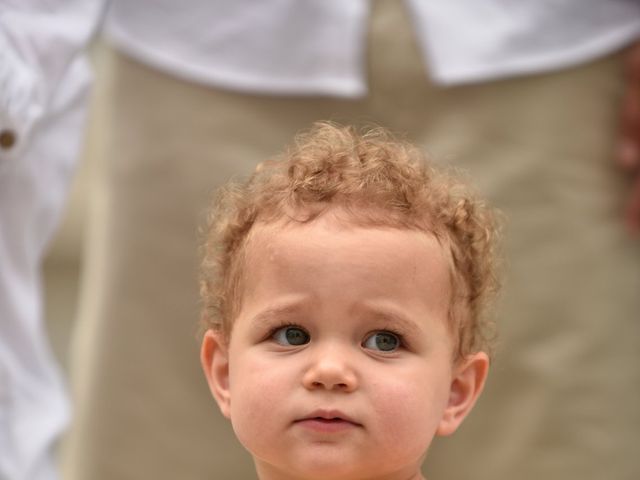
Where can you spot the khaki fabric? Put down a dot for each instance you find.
(562, 399)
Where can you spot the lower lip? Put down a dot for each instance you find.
(326, 426)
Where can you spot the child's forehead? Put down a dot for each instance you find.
(335, 234)
(349, 263)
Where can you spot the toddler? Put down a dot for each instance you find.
(344, 286)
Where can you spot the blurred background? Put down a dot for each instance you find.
(535, 122)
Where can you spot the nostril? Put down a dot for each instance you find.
(329, 379)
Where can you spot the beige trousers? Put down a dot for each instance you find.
(563, 399)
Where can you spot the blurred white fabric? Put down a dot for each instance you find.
(311, 47)
(44, 81)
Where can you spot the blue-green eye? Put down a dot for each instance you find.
(291, 335)
(382, 341)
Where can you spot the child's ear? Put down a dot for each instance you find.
(214, 358)
(467, 383)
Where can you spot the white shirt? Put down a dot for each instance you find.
(318, 46)
(43, 85)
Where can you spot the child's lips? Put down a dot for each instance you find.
(327, 421)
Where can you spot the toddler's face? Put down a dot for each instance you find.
(340, 360)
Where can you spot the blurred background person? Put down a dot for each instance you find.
(525, 96)
(44, 79)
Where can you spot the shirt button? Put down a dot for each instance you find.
(7, 139)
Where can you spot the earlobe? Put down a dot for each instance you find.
(214, 358)
(467, 384)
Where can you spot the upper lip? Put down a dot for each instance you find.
(327, 414)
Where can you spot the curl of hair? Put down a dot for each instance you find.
(382, 181)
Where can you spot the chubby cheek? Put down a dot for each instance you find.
(409, 411)
(258, 402)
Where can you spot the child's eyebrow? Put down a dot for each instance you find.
(391, 318)
(387, 317)
(276, 311)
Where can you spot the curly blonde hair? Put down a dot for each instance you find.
(381, 181)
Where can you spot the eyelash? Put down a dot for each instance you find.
(279, 326)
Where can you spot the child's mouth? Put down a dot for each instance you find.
(327, 423)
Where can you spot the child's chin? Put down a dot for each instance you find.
(318, 469)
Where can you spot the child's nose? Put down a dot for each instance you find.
(330, 369)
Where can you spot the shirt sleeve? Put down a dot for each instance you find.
(39, 39)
